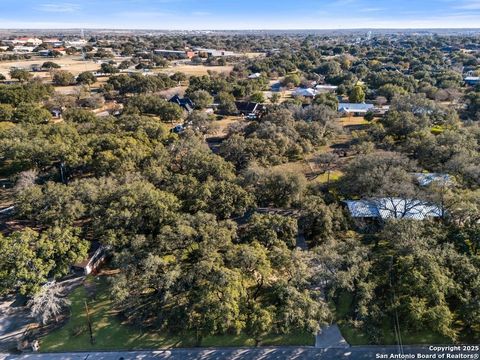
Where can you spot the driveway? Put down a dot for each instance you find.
(330, 337)
(14, 319)
(15, 316)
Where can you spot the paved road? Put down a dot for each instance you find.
(277, 353)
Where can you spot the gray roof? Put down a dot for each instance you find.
(393, 208)
(425, 179)
(304, 92)
(326, 87)
(354, 107)
(362, 208)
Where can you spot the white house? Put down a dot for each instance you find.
(355, 108)
(304, 92)
(77, 44)
(23, 49)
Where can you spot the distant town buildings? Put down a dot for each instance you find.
(24, 41)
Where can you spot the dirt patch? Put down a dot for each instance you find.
(74, 64)
(197, 70)
(222, 126)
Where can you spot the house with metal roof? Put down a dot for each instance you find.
(355, 108)
(472, 80)
(393, 208)
(305, 92)
(425, 179)
(326, 88)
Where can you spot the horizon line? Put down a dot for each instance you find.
(265, 29)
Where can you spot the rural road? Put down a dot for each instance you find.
(273, 353)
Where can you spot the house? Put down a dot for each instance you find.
(356, 109)
(250, 109)
(276, 87)
(177, 54)
(326, 88)
(36, 67)
(393, 208)
(178, 129)
(425, 179)
(77, 44)
(254, 76)
(23, 49)
(213, 52)
(381, 110)
(56, 113)
(8, 210)
(44, 53)
(304, 92)
(97, 255)
(54, 42)
(472, 80)
(185, 103)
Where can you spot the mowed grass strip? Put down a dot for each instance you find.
(110, 333)
(357, 336)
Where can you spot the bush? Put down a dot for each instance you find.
(50, 65)
(63, 78)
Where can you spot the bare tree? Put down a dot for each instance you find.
(48, 303)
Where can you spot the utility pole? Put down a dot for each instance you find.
(89, 323)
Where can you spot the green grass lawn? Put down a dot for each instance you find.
(110, 333)
(335, 175)
(356, 336)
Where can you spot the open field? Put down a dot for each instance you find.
(74, 64)
(197, 70)
(307, 165)
(221, 126)
(110, 333)
(353, 121)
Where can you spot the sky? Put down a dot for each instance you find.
(239, 14)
